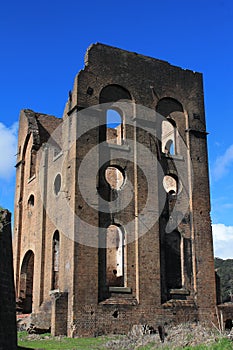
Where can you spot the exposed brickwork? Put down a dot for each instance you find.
(104, 291)
(59, 313)
(8, 339)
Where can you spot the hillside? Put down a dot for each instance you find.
(224, 270)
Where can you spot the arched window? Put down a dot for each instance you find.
(173, 113)
(56, 257)
(115, 256)
(57, 184)
(114, 127)
(115, 177)
(31, 201)
(26, 282)
(169, 137)
(114, 93)
(114, 120)
(170, 184)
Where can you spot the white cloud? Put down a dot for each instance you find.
(223, 241)
(227, 205)
(223, 163)
(8, 149)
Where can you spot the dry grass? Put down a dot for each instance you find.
(179, 337)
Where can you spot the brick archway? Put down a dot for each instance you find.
(26, 281)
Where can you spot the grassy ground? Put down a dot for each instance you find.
(46, 341)
(222, 344)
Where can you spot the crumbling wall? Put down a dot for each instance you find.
(8, 335)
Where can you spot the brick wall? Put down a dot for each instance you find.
(7, 291)
(59, 313)
(87, 298)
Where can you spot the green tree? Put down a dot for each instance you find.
(224, 270)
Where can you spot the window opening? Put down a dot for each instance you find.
(115, 256)
(31, 201)
(57, 184)
(33, 163)
(114, 127)
(170, 185)
(168, 137)
(114, 177)
(56, 255)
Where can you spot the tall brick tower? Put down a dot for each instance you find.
(112, 212)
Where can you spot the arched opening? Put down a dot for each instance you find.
(168, 108)
(114, 121)
(31, 201)
(114, 93)
(115, 256)
(57, 184)
(169, 147)
(169, 137)
(173, 260)
(115, 177)
(56, 257)
(114, 127)
(26, 282)
(168, 105)
(170, 184)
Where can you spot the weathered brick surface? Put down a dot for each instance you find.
(149, 295)
(8, 338)
(59, 313)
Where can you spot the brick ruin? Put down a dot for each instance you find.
(8, 338)
(149, 262)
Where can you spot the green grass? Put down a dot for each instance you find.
(46, 341)
(222, 344)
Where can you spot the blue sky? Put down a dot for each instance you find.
(43, 46)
